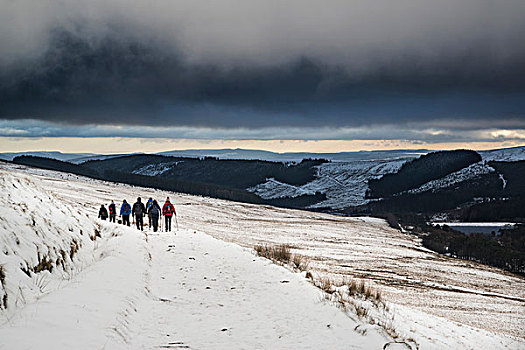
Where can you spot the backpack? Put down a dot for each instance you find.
(126, 209)
(168, 210)
(155, 210)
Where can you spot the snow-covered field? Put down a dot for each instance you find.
(204, 288)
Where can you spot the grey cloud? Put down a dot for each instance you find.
(255, 64)
(414, 133)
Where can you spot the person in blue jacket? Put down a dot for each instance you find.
(148, 207)
(125, 212)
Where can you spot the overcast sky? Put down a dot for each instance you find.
(416, 70)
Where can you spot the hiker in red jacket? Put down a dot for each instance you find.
(168, 210)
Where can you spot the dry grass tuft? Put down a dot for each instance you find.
(280, 253)
(299, 262)
(44, 263)
(365, 291)
(3, 301)
(2, 275)
(75, 246)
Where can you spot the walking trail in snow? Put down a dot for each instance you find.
(187, 290)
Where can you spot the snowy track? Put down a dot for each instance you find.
(182, 291)
(208, 294)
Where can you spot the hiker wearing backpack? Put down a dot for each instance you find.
(125, 211)
(103, 213)
(148, 207)
(154, 214)
(112, 212)
(168, 210)
(139, 211)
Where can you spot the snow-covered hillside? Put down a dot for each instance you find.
(345, 183)
(480, 168)
(128, 290)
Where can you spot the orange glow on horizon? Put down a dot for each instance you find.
(109, 145)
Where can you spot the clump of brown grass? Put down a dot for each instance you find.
(299, 262)
(365, 291)
(44, 263)
(280, 253)
(96, 234)
(326, 285)
(3, 301)
(75, 246)
(2, 275)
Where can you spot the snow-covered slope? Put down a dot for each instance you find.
(480, 168)
(504, 155)
(344, 183)
(40, 237)
(189, 289)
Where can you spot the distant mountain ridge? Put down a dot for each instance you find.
(231, 154)
(66, 157)
(250, 154)
(503, 154)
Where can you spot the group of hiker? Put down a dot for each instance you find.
(139, 211)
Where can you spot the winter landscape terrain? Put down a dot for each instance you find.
(70, 280)
(343, 180)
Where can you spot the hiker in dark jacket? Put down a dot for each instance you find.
(168, 210)
(125, 211)
(149, 203)
(103, 213)
(154, 214)
(139, 210)
(112, 212)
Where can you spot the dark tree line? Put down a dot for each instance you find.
(426, 168)
(299, 202)
(195, 188)
(53, 164)
(506, 251)
(240, 174)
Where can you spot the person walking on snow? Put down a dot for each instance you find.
(154, 214)
(168, 210)
(139, 211)
(148, 207)
(112, 212)
(103, 213)
(125, 211)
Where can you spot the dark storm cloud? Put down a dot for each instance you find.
(257, 64)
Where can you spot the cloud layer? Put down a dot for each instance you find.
(262, 64)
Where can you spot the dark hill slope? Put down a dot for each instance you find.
(239, 174)
(419, 171)
(53, 164)
(107, 174)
